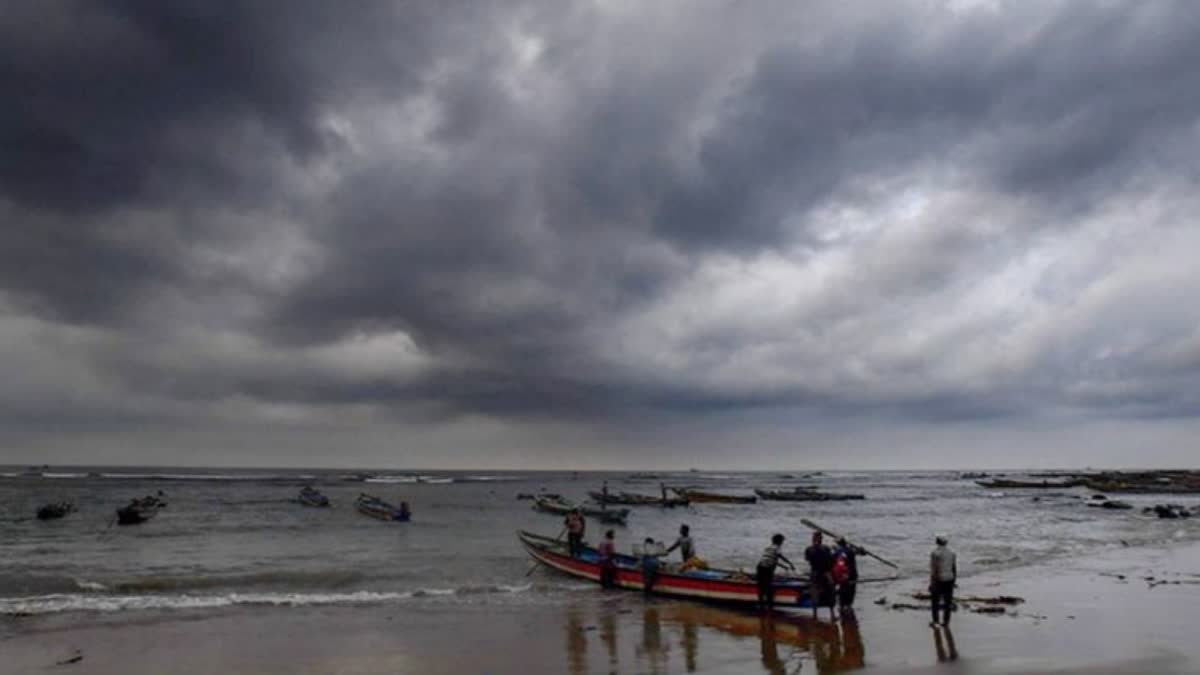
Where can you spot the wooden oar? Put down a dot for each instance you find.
(837, 536)
(534, 565)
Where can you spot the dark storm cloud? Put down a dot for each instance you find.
(590, 211)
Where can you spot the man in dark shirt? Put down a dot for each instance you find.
(687, 549)
(820, 565)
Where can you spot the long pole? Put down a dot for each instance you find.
(835, 535)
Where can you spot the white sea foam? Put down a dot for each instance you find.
(392, 479)
(64, 475)
(91, 602)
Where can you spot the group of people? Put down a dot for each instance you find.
(833, 571)
(651, 553)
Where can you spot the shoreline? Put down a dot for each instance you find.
(1101, 614)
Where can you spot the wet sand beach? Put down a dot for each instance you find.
(1126, 610)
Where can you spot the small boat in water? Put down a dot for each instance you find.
(561, 508)
(55, 510)
(712, 585)
(140, 510)
(372, 506)
(805, 495)
(699, 496)
(310, 496)
(633, 499)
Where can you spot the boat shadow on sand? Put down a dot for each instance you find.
(669, 636)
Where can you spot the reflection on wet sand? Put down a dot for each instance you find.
(787, 642)
(608, 635)
(652, 648)
(943, 642)
(576, 644)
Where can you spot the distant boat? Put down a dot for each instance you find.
(310, 496)
(55, 510)
(699, 496)
(375, 507)
(632, 499)
(562, 508)
(140, 510)
(805, 495)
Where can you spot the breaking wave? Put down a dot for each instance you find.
(91, 602)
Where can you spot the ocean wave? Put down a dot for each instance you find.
(270, 477)
(392, 479)
(64, 475)
(490, 479)
(86, 602)
(323, 580)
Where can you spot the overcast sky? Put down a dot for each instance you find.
(600, 234)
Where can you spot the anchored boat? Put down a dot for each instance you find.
(372, 506)
(805, 495)
(712, 585)
(310, 496)
(700, 496)
(140, 510)
(562, 508)
(55, 510)
(633, 499)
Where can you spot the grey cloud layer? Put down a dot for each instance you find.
(601, 213)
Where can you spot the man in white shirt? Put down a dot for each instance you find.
(943, 574)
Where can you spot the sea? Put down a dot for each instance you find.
(240, 539)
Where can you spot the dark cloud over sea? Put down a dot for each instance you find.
(600, 233)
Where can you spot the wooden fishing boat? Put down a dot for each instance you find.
(562, 508)
(310, 496)
(633, 499)
(712, 585)
(805, 495)
(1020, 484)
(699, 496)
(372, 506)
(55, 510)
(139, 510)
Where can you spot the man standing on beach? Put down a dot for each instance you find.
(820, 568)
(765, 574)
(943, 575)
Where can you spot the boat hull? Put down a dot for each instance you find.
(381, 510)
(805, 496)
(704, 585)
(134, 516)
(615, 516)
(714, 498)
(630, 499)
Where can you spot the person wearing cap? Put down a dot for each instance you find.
(772, 557)
(845, 572)
(943, 575)
(820, 565)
